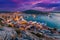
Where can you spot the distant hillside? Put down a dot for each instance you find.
(5, 12)
(34, 12)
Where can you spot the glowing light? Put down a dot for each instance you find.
(17, 18)
(34, 16)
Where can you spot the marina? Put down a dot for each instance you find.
(31, 27)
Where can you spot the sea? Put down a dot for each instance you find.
(52, 20)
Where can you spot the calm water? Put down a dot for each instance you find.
(52, 21)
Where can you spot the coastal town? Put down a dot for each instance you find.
(13, 26)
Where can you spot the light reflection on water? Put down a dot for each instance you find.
(53, 21)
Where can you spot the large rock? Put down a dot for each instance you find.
(7, 33)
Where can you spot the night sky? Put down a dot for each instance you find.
(21, 5)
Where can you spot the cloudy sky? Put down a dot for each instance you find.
(20, 5)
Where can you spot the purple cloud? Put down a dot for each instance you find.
(20, 5)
